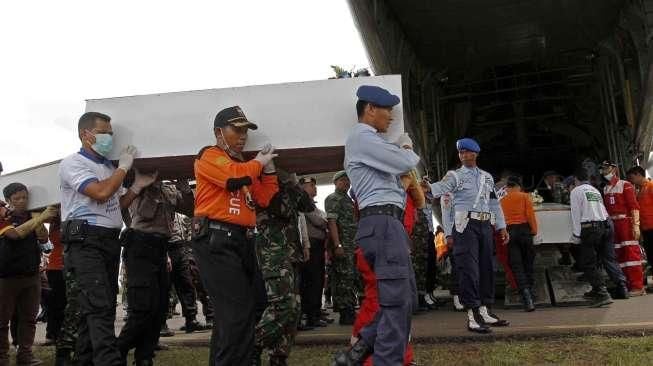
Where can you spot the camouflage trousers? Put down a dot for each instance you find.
(419, 257)
(277, 328)
(68, 334)
(344, 282)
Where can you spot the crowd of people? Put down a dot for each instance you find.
(249, 243)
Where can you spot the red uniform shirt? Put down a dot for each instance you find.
(55, 262)
(620, 198)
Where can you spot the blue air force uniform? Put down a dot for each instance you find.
(474, 204)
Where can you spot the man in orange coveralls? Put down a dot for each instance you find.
(228, 191)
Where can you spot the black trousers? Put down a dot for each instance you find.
(182, 278)
(647, 239)
(521, 255)
(313, 280)
(227, 264)
(95, 263)
(147, 293)
(56, 303)
(594, 241)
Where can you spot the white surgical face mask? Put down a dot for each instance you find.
(608, 177)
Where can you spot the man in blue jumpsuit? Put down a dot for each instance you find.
(374, 165)
(475, 202)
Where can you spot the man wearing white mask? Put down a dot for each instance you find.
(92, 196)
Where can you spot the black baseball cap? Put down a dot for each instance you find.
(233, 116)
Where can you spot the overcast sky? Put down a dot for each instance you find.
(56, 54)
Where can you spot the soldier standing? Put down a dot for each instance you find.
(279, 252)
(342, 229)
(181, 276)
(146, 257)
(474, 203)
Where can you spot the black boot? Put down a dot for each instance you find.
(192, 325)
(527, 300)
(277, 360)
(355, 356)
(63, 358)
(144, 362)
(256, 356)
(315, 322)
(602, 298)
(621, 292)
(346, 317)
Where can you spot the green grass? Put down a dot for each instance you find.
(592, 350)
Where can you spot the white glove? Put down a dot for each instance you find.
(126, 159)
(404, 141)
(269, 168)
(143, 180)
(267, 148)
(266, 155)
(574, 239)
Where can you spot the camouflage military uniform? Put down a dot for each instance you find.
(420, 238)
(68, 334)
(340, 207)
(279, 250)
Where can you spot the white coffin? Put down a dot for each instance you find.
(554, 223)
(308, 122)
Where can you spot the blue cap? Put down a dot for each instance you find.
(468, 144)
(377, 95)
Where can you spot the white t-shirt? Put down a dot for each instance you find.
(586, 205)
(75, 173)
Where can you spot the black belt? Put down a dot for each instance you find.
(388, 210)
(231, 228)
(596, 224)
(101, 231)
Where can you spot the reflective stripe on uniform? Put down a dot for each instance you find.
(625, 243)
(630, 264)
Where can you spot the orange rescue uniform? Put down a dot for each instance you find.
(212, 199)
(645, 200)
(518, 209)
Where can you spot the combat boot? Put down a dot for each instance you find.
(527, 300)
(256, 356)
(278, 360)
(602, 298)
(192, 325)
(491, 319)
(355, 356)
(621, 292)
(63, 358)
(144, 362)
(346, 317)
(475, 322)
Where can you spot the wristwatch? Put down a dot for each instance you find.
(339, 246)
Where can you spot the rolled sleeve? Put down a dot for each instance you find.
(379, 154)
